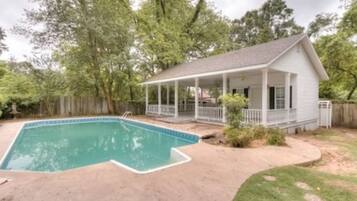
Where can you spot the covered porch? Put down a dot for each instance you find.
(271, 96)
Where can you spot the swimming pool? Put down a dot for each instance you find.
(57, 145)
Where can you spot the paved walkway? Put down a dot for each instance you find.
(215, 173)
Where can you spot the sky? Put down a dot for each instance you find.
(12, 11)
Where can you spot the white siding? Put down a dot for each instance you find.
(307, 81)
(254, 84)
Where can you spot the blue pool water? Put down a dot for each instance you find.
(61, 145)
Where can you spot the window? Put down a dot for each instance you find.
(276, 97)
(280, 97)
(242, 91)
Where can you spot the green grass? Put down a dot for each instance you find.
(328, 187)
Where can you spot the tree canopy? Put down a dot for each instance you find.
(272, 21)
(338, 53)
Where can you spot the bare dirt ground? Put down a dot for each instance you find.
(338, 147)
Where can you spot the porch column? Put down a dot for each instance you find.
(159, 98)
(264, 96)
(224, 91)
(196, 97)
(176, 98)
(146, 98)
(287, 95)
(167, 94)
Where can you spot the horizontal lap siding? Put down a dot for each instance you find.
(297, 61)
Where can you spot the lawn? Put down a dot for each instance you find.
(333, 178)
(315, 184)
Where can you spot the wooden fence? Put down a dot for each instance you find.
(344, 115)
(80, 106)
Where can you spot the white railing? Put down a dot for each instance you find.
(168, 110)
(281, 116)
(277, 116)
(186, 108)
(252, 116)
(152, 109)
(210, 113)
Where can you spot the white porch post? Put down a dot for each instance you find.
(224, 91)
(264, 96)
(168, 94)
(287, 95)
(196, 97)
(159, 98)
(146, 98)
(176, 98)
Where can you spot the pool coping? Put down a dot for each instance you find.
(115, 162)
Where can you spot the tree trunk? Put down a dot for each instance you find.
(349, 96)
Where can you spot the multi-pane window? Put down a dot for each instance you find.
(280, 97)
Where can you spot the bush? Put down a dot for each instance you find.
(238, 137)
(259, 132)
(242, 137)
(275, 137)
(234, 104)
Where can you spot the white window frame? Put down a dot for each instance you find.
(276, 99)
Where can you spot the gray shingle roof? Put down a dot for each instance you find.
(245, 57)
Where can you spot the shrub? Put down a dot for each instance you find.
(238, 137)
(275, 136)
(234, 104)
(242, 137)
(259, 132)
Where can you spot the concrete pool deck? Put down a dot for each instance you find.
(215, 173)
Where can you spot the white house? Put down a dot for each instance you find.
(280, 78)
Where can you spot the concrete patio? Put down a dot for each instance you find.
(215, 173)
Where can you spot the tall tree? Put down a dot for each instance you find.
(175, 31)
(3, 47)
(94, 33)
(272, 21)
(324, 23)
(338, 54)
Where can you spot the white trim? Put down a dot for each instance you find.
(286, 50)
(246, 68)
(188, 159)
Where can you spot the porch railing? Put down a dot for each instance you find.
(210, 113)
(252, 116)
(281, 116)
(152, 109)
(168, 110)
(186, 108)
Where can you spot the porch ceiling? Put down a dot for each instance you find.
(216, 80)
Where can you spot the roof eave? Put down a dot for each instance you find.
(246, 68)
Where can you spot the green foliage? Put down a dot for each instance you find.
(234, 104)
(348, 24)
(338, 54)
(238, 137)
(173, 32)
(272, 21)
(275, 137)
(323, 22)
(16, 87)
(92, 39)
(242, 137)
